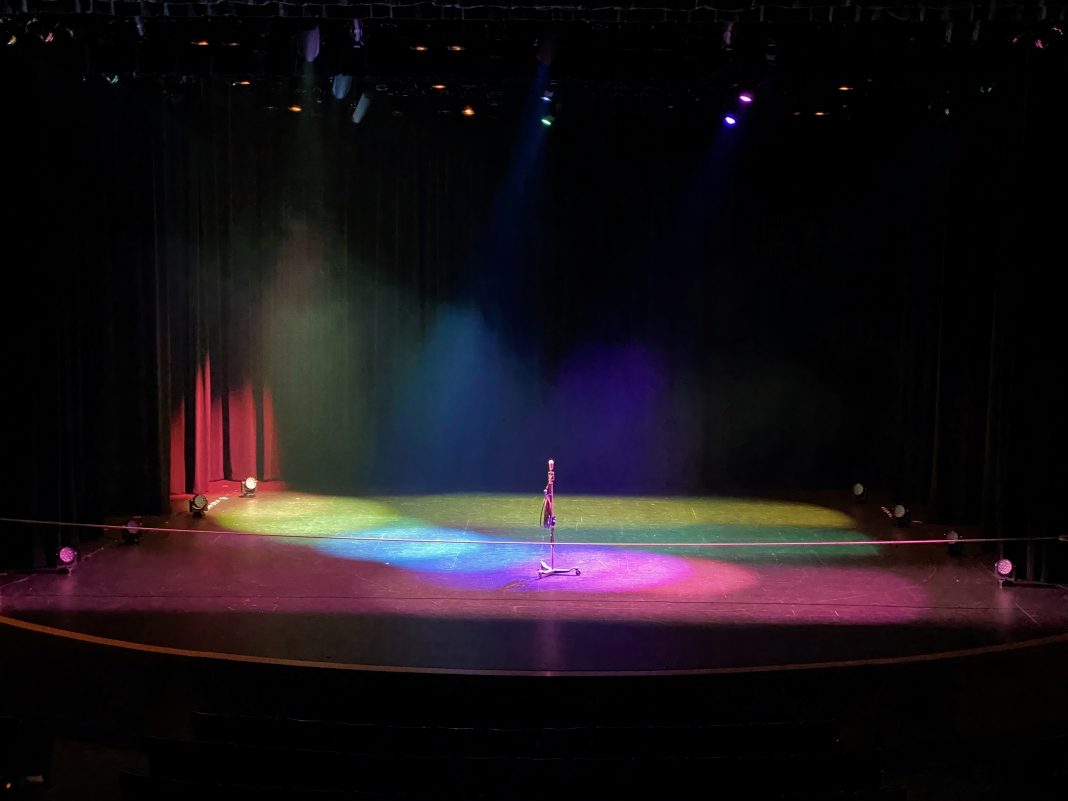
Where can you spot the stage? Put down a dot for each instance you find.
(450, 583)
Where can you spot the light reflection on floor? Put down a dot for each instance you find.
(651, 546)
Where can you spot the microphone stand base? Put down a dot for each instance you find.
(549, 522)
(557, 571)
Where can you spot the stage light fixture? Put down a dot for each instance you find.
(438, 86)
(455, 48)
(954, 547)
(547, 96)
(468, 111)
(66, 558)
(295, 108)
(860, 492)
(131, 532)
(729, 120)
(901, 514)
(548, 120)
(200, 43)
(309, 43)
(745, 97)
(340, 85)
(248, 487)
(198, 504)
(420, 48)
(1004, 569)
(359, 111)
(357, 33)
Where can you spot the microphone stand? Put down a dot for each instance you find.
(548, 520)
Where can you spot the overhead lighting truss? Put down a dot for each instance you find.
(598, 11)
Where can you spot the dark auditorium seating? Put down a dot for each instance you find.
(25, 750)
(10, 746)
(576, 741)
(237, 756)
(136, 787)
(146, 788)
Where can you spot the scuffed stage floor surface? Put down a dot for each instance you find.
(450, 582)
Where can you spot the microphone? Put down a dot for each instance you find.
(548, 519)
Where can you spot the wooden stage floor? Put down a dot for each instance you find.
(450, 583)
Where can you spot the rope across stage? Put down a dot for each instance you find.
(548, 520)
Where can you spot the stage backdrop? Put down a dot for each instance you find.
(203, 288)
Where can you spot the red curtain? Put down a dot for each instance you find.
(228, 435)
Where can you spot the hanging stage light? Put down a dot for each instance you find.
(860, 492)
(771, 53)
(309, 43)
(728, 35)
(248, 487)
(729, 120)
(198, 504)
(340, 85)
(359, 111)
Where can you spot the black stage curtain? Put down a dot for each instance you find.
(202, 287)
